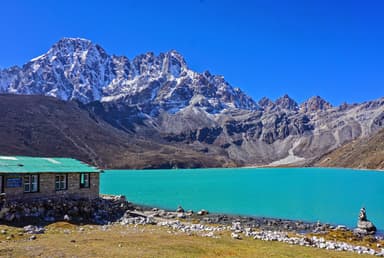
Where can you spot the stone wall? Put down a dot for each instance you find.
(47, 187)
(38, 211)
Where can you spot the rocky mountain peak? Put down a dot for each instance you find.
(77, 69)
(67, 48)
(72, 43)
(176, 56)
(207, 74)
(286, 102)
(174, 63)
(266, 103)
(72, 69)
(314, 104)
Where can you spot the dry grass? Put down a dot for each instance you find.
(66, 240)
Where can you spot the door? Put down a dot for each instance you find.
(1, 185)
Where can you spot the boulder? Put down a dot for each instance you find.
(202, 212)
(179, 209)
(66, 217)
(235, 236)
(3, 212)
(181, 215)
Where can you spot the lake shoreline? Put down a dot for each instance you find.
(111, 211)
(262, 222)
(258, 222)
(294, 232)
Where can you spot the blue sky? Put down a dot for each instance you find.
(334, 49)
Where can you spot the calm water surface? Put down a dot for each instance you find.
(329, 195)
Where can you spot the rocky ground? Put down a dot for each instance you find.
(361, 153)
(35, 218)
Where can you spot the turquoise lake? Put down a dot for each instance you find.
(329, 195)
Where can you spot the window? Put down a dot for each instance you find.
(84, 180)
(31, 183)
(60, 182)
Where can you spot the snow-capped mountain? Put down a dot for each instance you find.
(158, 98)
(77, 69)
(71, 69)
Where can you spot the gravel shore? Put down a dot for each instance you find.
(109, 210)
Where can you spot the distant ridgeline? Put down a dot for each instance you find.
(153, 111)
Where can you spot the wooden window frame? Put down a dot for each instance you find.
(65, 181)
(30, 183)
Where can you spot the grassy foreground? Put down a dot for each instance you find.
(66, 240)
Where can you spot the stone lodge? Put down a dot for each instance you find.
(34, 177)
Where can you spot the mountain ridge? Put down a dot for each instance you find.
(81, 49)
(77, 69)
(159, 99)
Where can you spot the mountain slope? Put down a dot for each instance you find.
(283, 134)
(45, 126)
(362, 153)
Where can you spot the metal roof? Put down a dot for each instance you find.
(23, 164)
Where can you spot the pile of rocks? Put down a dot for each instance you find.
(142, 215)
(265, 223)
(31, 229)
(192, 228)
(170, 220)
(128, 219)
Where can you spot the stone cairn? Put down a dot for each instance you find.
(364, 226)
